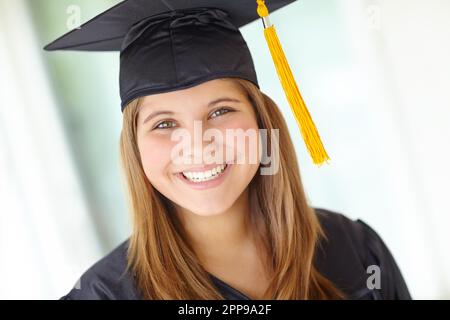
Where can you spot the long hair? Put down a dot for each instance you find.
(164, 263)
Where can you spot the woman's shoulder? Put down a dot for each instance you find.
(354, 257)
(107, 279)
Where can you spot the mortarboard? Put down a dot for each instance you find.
(168, 45)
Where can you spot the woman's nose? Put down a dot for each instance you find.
(201, 143)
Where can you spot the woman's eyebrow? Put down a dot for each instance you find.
(157, 113)
(209, 105)
(223, 99)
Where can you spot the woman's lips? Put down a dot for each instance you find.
(206, 184)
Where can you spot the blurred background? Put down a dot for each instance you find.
(374, 73)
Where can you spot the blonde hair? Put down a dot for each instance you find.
(165, 264)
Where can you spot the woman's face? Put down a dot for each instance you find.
(205, 169)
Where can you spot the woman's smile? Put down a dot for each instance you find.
(205, 179)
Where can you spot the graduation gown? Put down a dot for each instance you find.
(344, 259)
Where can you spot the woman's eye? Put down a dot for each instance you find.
(164, 125)
(219, 112)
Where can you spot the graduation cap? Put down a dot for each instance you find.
(168, 45)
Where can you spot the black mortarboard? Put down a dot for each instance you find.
(167, 45)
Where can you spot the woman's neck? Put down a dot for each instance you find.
(227, 247)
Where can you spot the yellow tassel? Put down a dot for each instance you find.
(298, 107)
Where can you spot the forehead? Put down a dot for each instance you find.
(198, 95)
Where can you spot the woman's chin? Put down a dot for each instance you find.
(208, 210)
(213, 204)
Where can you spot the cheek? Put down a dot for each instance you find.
(242, 122)
(155, 155)
(249, 140)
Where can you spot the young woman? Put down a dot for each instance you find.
(222, 229)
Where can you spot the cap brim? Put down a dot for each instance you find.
(106, 31)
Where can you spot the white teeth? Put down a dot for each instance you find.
(204, 175)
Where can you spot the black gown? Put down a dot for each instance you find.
(352, 246)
